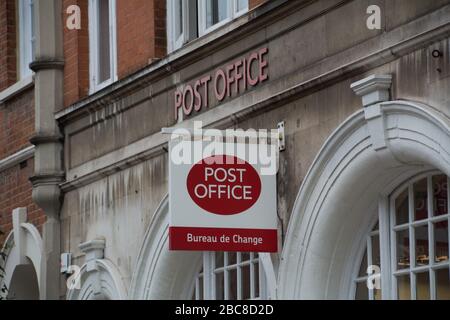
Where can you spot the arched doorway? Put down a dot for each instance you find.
(24, 284)
(101, 283)
(351, 179)
(418, 247)
(164, 274)
(22, 264)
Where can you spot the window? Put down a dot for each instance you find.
(102, 43)
(215, 13)
(230, 276)
(182, 22)
(419, 261)
(371, 258)
(26, 37)
(188, 19)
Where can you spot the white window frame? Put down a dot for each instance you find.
(233, 13)
(388, 246)
(26, 37)
(175, 43)
(93, 46)
(189, 23)
(368, 246)
(194, 21)
(204, 287)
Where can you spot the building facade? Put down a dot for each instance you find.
(362, 185)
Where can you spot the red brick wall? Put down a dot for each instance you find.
(76, 55)
(141, 34)
(141, 37)
(15, 191)
(16, 128)
(8, 65)
(160, 28)
(16, 123)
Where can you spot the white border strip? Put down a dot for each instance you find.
(16, 158)
(16, 88)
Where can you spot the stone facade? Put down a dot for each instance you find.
(115, 156)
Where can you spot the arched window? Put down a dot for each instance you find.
(414, 240)
(230, 276)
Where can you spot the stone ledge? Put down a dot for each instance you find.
(16, 158)
(16, 88)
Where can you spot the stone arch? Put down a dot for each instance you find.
(164, 274)
(24, 265)
(101, 283)
(371, 153)
(160, 273)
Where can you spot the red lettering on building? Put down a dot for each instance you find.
(231, 80)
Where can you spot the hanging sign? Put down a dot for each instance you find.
(223, 200)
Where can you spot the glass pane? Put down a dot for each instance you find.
(421, 234)
(441, 241)
(403, 249)
(219, 259)
(216, 11)
(241, 5)
(232, 258)
(440, 192)
(423, 286)
(363, 268)
(246, 282)
(256, 280)
(232, 284)
(178, 23)
(219, 286)
(245, 256)
(442, 284)
(420, 200)
(401, 208)
(104, 59)
(362, 293)
(376, 250)
(403, 288)
(200, 288)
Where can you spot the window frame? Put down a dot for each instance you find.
(366, 248)
(205, 279)
(173, 43)
(388, 240)
(411, 225)
(189, 23)
(194, 21)
(94, 49)
(26, 37)
(233, 13)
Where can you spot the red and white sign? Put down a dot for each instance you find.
(221, 203)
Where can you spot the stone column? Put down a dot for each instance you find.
(48, 67)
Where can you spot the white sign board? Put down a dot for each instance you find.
(222, 197)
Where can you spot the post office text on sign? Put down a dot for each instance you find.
(226, 191)
(221, 202)
(224, 184)
(240, 75)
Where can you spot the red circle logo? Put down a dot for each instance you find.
(224, 185)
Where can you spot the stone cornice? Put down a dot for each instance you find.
(41, 138)
(46, 64)
(47, 179)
